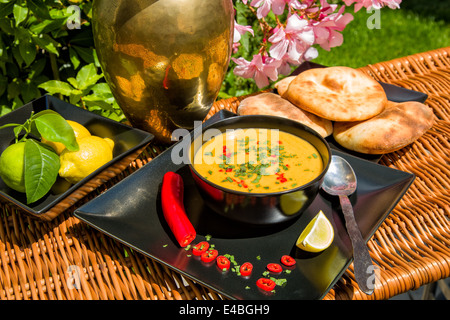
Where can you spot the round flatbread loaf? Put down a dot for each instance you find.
(397, 126)
(337, 94)
(274, 105)
(283, 85)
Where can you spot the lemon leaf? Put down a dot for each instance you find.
(41, 169)
(54, 127)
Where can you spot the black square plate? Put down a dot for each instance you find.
(126, 139)
(131, 212)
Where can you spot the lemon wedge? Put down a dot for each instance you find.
(318, 234)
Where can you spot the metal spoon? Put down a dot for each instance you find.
(340, 180)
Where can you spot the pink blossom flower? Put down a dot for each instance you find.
(264, 7)
(260, 68)
(327, 8)
(327, 30)
(393, 4)
(376, 4)
(293, 40)
(289, 40)
(277, 6)
(286, 62)
(239, 30)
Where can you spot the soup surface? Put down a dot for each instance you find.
(258, 160)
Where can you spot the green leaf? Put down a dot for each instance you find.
(36, 68)
(87, 76)
(6, 9)
(13, 89)
(44, 41)
(45, 26)
(39, 8)
(74, 58)
(41, 169)
(20, 14)
(54, 127)
(56, 86)
(40, 113)
(73, 82)
(30, 92)
(86, 54)
(95, 102)
(27, 51)
(3, 84)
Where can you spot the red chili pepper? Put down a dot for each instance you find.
(173, 209)
(246, 269)
(288, 260)
(266, 284)
(223, 263)
(281, 177)
(209, 255)
(199, 248)
(274, 267)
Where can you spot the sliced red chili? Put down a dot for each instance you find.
(223, 263)
(266, 284)
(246, 269)
(288, 261)
(209, 255)
(274, 267)
(199, 248)
(173, 209)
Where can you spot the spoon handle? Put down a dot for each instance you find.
(362, 262)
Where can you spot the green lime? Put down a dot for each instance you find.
(12, 169)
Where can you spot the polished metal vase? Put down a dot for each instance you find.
(164, 60)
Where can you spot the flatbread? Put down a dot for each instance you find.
(273, 104)
(337, 94)
(397, 126)
(283, 85)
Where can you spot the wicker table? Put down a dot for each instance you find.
(411, 248)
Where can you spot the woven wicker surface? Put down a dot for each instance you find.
(39, 259)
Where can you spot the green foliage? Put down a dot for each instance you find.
(47, 47)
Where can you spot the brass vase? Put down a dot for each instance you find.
(164, 60)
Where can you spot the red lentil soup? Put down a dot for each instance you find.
(258, 160)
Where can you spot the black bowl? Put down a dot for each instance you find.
(261, 208)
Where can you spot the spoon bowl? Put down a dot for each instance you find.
(340, 180)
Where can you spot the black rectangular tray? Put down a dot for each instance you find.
(130, 212)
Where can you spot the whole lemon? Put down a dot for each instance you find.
(94, 152)
(12, 169)
(79, 130)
